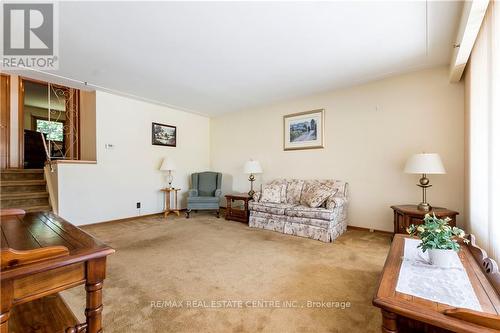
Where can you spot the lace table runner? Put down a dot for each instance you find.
(444, 285)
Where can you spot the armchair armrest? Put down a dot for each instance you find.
(218, 192)
(256, 196)
(334, 202)
(193, 193)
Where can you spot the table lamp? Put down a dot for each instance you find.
(168, 165)
(424, 164)
(252, 167)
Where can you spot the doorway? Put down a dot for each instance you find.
(49, 123)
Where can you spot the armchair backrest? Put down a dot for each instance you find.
(206, 182)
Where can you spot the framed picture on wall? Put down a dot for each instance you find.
(303, 130)
(164, 135)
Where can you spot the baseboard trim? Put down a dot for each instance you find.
(349, 227)
(352, 227)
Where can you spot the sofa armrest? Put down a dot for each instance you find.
(334, 202)
(192, 192)
(256, 196)
(218, 193)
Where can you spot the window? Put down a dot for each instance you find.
(53, 129)
(482, 88)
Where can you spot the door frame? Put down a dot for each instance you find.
(20, 121)
(74, 148)
(7, 128)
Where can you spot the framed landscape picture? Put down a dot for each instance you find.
(164, 135)
(303, 130)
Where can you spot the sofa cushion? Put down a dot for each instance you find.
(340, 185)
(283, 184)
(269, 207)
(293, 191)
(334, 202)
(315, 194)
(311, 213)
(203, 199)
(207, 183)
(271, 193)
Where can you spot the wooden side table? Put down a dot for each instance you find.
(234, 213)
(169, 209)
(406, 215)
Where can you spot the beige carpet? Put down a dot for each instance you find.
(205, 259)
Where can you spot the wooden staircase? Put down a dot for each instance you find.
(25, 189)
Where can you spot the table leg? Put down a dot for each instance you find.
(167, 203)
(96, 272)
(176, 207)
(228, 208)
(389, 322)
(6, 304)
(247, 211)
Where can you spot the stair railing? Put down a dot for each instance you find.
(47, 154)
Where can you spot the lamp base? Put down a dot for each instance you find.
(424, 206)
(170, 178)
(251, 178)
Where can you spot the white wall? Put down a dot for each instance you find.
(370, 131)
(128, 173)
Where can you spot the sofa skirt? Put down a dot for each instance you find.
(281, 223)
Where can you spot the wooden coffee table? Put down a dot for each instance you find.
(407, 313)
(240, 214)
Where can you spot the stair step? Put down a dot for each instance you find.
(24, 202)
(21, 174)
(24, 189)
(23, 195)
(31, 209)
(21, 171)
(23, 182)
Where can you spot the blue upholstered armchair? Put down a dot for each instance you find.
(205, 192)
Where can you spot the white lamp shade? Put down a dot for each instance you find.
(252, 167)
(167, 165)
(428, 163)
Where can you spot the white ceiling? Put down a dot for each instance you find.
(216, 57)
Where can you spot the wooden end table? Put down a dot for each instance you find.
(168, 208)
(406, 215)
(234, 213)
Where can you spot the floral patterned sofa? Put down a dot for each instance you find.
(289, 212)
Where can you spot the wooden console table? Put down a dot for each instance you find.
(406, 313)
(237, 214)
(168, 208)
(41, 255)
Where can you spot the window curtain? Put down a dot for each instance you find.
(482, 119)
